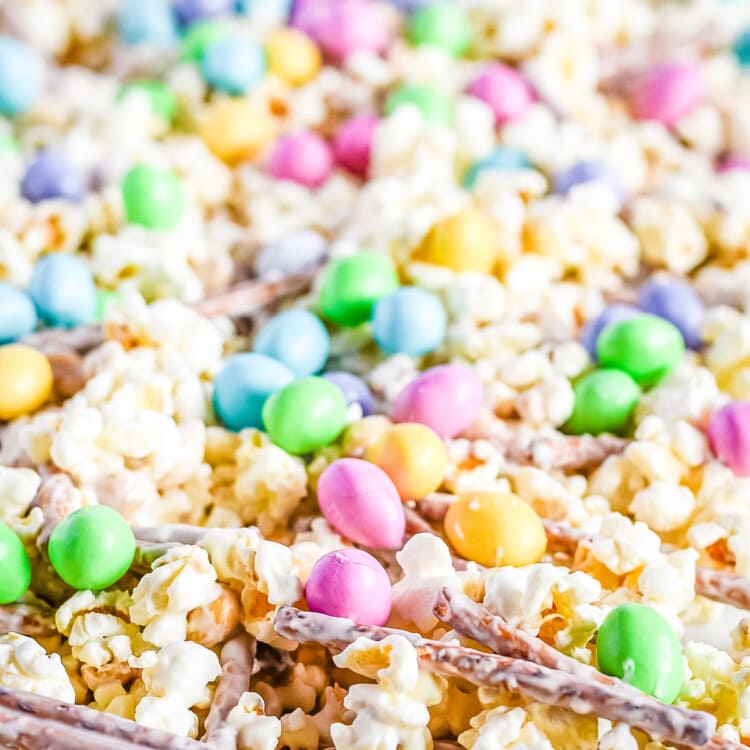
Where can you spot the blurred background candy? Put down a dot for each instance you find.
(301, 157)
(233, 64)
(21, 76)
(668, 93)
(504, 90)
(354, 390)
(675, 301)
(17, 314)
(62, 289)
(50, 175)
(147, 22)
(409, 321)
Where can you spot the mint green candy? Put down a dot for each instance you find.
(104, 299)
(200, 36)
(154, 198)
(163, 102)
(436, 107)
(92, 548)
(350, 287)
(8, 143)
(444, 25)
(15, 566)
(604, 401)
(305, 415)
(636, 644)
(645, 346)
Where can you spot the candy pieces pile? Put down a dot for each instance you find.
(375, 374)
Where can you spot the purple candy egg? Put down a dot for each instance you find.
(190, 11)
(729, 436)
(592, 170)
(51, 175)
(677, 302)
(355, 390)
(612, 314)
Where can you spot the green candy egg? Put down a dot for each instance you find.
(92, 548)
(200, 36)
(435, 106)
(154, 198)
(350, 287)
(604, 401)
(305, 415)
(15, 566)
(163, 102)
(104, 299)
(636, 644)
(443, 25)
(645, 346)
(8, 143)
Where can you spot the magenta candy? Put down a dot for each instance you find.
(734, 162)
(445, 398)
(729, 436)
(352, 144)
(668, 93)
(301, 157)
(504, 90)
(350, 583)
(361, 502)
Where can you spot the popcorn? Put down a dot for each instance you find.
(255, 730)
(623, 546)
(663, 507)
(17, 489)
(504, 729)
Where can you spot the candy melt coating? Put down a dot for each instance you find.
(92, 548)
(350, 583)
(668, 93)
(15, 566)
(293, 56)
(444, 25)
(237, 129)
(50, 175)
(63, 290)
(677, 302)
(504, 90)
(729, 436)
(301, 157)
(413, 456)
(242, 387)
(350, 287)
(233, 65)
(352, 145)
(636, 644)
(409, 321)
(604, 401)
(495, 528)
(305, 415)
(611, 314)
(446, 398)
(644, 346)
(17, 313)
(361, 502)
(354, 389)
(25, 380)
(21, 76)
(154, 198)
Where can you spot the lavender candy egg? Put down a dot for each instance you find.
(612, 314)
(361, 502)
(729, 436)
(446, 398)
(677, 302)
(350, 583)
(355, 390)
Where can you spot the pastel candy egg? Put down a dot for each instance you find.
(200, 36)
(729, 436)
(734, 162)
(154, 198)
(350, 583)
(409, 321)
(190, 11)
(644, 346)
(604, 401)
(298, 339)
(305, 415)
(51, 175)
(669, 93)
(434, 106)
(741, 48)
(361, 502)
(638, 645)
(582, 172)
(295, 253)
(147, 22)
(677, 302)
(495, 528)
(278, 10)
(352, 145)
(293, 56)
(62, 289)
(354, 389)
(25, 380)
(444, 25)
(446, 398)
(237, 129)
(502, 159)
(611, 314)
(413, 456)
(233, 65)
(21, 76)
(504, 90)
(242, 387)
(14, 562)
(17, 314)
(301, 157)
(161, 99)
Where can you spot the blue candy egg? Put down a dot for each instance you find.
(17, 314)
(295, 253)
(190, 11)
(741, 48)
(63, 291)
(242, 386)
(279, 8)
(612, 314)
(409, 321)
(21, 74)
(51, 175)
(298, 339)
(592, 170)
(355, 390)
(147, 22)
(503, 159)
(233, 65)
(677, 302)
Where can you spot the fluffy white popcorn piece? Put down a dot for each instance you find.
(393, 712)
(622, 546)
(504, 728)
(17, 489)
(168, 714)
(669, 584)
(550, 402)
(255, 730)
(618, 738)
(181, 580)
(25, 665)
(663, 507)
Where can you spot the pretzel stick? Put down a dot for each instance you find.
(26, 619)
(179, 533)
(551, 686)
(237, 657)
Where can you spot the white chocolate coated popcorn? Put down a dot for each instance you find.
(24, 665)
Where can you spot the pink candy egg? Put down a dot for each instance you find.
(445, 398)
(361, 502)
(729, 436)
(352, 144)
(301, 157)
(668, 93)
(734, 162)
(504, 90)
(350, 583)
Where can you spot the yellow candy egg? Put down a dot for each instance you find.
(237, 129)
(495, 528)
(465, 241)
(293, 56)
(413, 456)
(25, 380)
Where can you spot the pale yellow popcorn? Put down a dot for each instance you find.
(623, 546)
(255, 730)
(728, 356)
(17, 489)
(550, 402)
(550, 496)
(663, 507)
(15, 265)
(504, 728)
(618, 738)
(669, 584)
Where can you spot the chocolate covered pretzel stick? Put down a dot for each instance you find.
(27, 619)
(581, 695)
